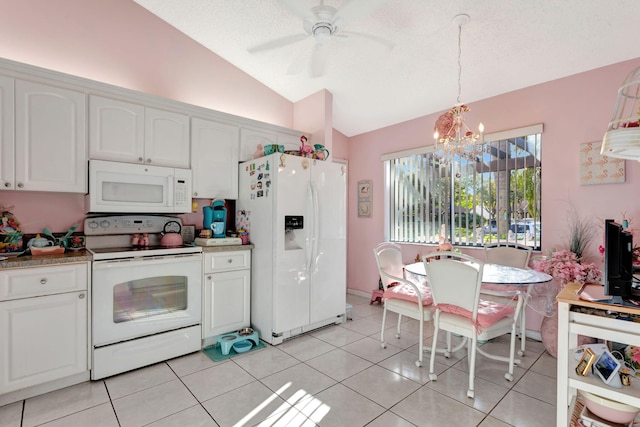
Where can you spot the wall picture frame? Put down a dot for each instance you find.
(598, 169)
(364, 198)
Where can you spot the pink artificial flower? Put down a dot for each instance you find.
(564, 266)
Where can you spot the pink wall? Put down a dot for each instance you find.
(120, 43)
(574, 110)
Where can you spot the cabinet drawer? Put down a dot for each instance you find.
(37, 281)
(226, 261)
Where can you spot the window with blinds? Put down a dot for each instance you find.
(491, 194)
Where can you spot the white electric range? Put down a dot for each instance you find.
(146, 300)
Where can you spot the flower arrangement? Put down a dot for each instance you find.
(632, 357)
(10, 234)
(564, 266)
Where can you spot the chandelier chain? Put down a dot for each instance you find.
(459, 63)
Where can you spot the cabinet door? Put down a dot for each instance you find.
(7, 142)
(39, 281)
(42, 339)
(215, 151)
(116, 130)
(227, 302)
(50, 138)
(250, 139)
(166, 139)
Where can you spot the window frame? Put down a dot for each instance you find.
(526, 131)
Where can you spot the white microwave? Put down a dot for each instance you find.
(131, 188)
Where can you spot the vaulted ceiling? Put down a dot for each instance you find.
(395, 60)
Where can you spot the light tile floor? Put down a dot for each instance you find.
(336, 376)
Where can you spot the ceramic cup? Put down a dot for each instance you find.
(217, 227)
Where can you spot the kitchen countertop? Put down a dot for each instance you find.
(229, 248)
(38, 261)
(85, 256)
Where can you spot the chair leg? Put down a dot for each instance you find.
(399, 322)
(523, 331)
(512, 348)
(472, 366)
(384, 319)
(434, 346)
(447, 351)
(420, 343)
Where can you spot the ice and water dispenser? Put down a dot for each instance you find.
(293, 232)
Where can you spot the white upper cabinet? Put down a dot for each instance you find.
(50, 139)
(127, 132)
(250, 139)
(7, 142)
(166, 138)
(116, 130)
(214, 159)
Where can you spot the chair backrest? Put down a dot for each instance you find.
(509, 254)
(389, 260)
(455, 280)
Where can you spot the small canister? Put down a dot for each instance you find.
(205, 234)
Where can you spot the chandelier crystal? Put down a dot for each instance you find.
(451, 131)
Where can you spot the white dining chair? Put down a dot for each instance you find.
(455, 283)
(511, 255)
(401, 295)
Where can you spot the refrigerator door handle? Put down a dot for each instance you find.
(316, 225)
(309, 246)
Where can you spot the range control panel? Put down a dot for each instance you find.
(125, 224)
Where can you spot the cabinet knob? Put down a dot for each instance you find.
(140, 159)
(43, 281)
(209, 277)
(20, 185)
(81, 296)
(229, 260)
(148, 161)
(195, 194)
(7, 185)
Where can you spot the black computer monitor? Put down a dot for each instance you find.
(618, 262)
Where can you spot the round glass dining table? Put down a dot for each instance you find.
(497, 274)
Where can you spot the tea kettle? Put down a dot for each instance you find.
(39, 242)
(171, 234)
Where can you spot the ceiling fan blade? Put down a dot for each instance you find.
(318, 60)
(389, 45)
(297, 8)
(354, 9)
(274, 44)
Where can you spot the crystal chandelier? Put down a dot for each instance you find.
(451, 131)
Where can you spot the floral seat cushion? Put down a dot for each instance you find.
(406, 292)
(489, 312)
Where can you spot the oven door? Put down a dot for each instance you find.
(137, 297)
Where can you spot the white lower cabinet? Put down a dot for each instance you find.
(43, 325)
(227, 293)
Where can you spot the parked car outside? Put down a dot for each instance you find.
(491, 227)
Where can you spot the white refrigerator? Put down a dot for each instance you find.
(296, 209)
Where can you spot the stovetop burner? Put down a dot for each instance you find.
(110, 237)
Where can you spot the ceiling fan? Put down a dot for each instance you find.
(322, 23)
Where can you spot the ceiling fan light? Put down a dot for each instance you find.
(322, 34)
